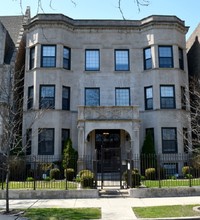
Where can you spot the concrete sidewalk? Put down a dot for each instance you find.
(112, 208)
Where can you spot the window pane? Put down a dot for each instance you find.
(167, 97)
(65, 136)
(30, 97)
(46, 142)
(28, 141)
(147, 59)
(181, 62)
(122, 97)
(92, 97)
(66, 98)
(92, 60)
(48, 56)
(169, 141)
(165, 57)
(47, 96)
(148, 98)
(32, 57)
(121, 60)
(66, 58)
(167, 91)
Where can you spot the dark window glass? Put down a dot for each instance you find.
(165, 57)
(169, 140)
(185, 140)
(122, 96)
(30, 97)
(32, 58)
(92, 60)
(121, 60)
(183, 98)
(171, 169)
(147, 59)
(47, 96)
(48, 56)
(151, 131)
(167, 97)
(92, 97)
(66, 98)
(65, 137)
(46, 141)
(66, 58)
(181, 60)
(28, 141)
(148, 97)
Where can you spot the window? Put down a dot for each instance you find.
(181, 60)
(92, 97)
(151, 132)
(66, 98)
(30, 97)
(47, 96)
(122, 60)
(28, 141)
(122, 96)
(148, 97)
(66, 58)
(65, 137)
(183, 98)
(171, 169)
(92, 60)
(165, 57)
(147, 58)
(167, 97)
(185, 140)
(48, 56)
(46, 141)
(169, 140)
(32, 58)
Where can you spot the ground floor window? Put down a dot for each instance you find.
(171, 169)
(46, 141)
(169, 140)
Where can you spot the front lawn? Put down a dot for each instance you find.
(62, 213)
(165, 211)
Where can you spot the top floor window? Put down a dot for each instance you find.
(92, 60)
(165, 57)
(66, 58)
(32, 58)
(122, 60)
(147, 58)
(181, 60)
(48, 57)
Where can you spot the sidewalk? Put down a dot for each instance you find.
(112, 208)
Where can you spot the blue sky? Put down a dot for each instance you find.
(187, 10)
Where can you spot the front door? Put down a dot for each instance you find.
(108, 156)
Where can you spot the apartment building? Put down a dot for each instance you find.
(105, 84)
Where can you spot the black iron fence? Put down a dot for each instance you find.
(50, 172)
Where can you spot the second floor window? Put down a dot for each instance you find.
(181, 60)
(30, 98)
(167, 97)
(183, 98)
(92, 96)
(32, 58)
(66, 58)
(122, 96)
(92, 60)
(165, 57)
(147, 58)
(66, 98)
(148, 97)
(48, 57)
(122, 60)
(47, 96)
(169, 140)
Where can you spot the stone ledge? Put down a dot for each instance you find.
(164, 192)
(50, 194)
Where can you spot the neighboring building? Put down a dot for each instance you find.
(104, 84)
(12, 59)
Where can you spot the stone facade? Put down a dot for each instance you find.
(118, 82)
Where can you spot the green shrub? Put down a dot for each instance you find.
(55, 173)
(30, 178)
(188, 176)
(135, 178)
(47, 178)
(86, 178)
(186, 170)
(150, 174)
(69, 174)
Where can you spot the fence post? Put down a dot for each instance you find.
(66, 174)
(34, 168)
(95, 172)
(2, 179)
(158, 168)
(190, 176)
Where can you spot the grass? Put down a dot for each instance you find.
(166, 211)
(62, 213)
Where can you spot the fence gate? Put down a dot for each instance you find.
(109, 168)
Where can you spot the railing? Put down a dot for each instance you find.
(172, 170)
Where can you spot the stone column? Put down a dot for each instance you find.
(81, 145)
